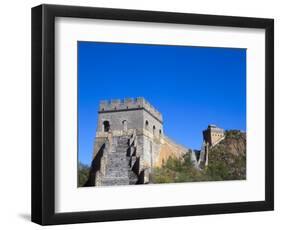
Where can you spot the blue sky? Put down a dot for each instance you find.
(191, 86)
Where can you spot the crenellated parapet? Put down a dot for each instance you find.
(129, 104)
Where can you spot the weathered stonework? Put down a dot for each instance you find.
(129, 142)
(211, 137)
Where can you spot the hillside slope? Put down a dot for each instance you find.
(227, 161)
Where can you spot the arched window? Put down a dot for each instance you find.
(106, 126)
(146, 124)
(160, 132)
(154, 129)
(125, 125)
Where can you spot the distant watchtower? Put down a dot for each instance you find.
(212, 135)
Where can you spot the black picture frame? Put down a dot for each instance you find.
(43, 114)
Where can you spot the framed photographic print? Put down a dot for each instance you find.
(142, 114)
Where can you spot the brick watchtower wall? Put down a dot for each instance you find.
(212, 135)
(121, 118)
(129, 104)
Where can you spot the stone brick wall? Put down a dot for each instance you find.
(168, 149)
(213, 135)
(133, 118)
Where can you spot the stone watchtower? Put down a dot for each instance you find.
(211, 136)
(129, 133)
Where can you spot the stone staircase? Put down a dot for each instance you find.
(117, 168)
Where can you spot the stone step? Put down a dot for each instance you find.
(118, 171)
(120, 157)
(117, 174)
(122, 139)
(117, 158)
(123, 142)
(115, 181)
(115, 164)
(117, 153)
(120, 148)
(122, 145)
(117, 161)
(117, 167)
(124, 168)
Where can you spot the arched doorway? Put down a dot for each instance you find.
(106, 126)
(125, 125)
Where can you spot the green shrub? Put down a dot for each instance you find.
(177, 170)
(83, 173)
